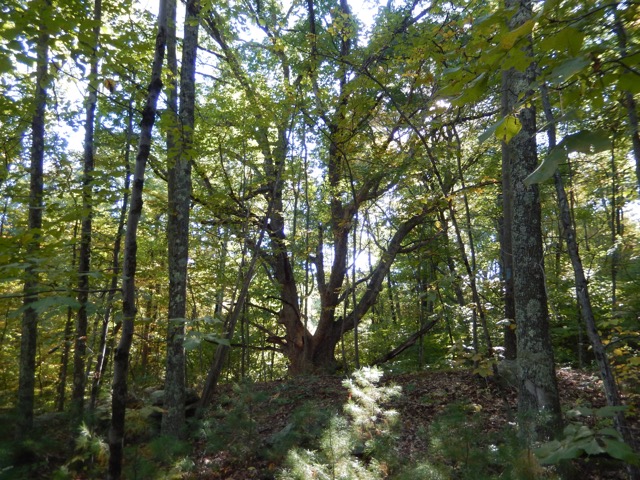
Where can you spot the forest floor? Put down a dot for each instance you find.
(253, 427)
(425, 397)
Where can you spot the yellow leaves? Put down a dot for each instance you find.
(504, 130)
(277, 45)
(109, 84)
(618, 352)
(509, 128)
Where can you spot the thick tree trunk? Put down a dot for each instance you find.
(84, 258)
(319, 353)
(121, 358)
(538, 400)
(179, 177)
(29, 337)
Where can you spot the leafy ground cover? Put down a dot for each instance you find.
(303, 405)
(461, 423)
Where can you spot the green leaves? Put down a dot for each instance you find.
(581, 440)
(509, 39)
(587, 142)
(547, 168)
(568, 69)
(568, 39)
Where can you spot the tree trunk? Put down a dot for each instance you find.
(538, 400)
(101, 361)
(506, 254)
(84, 258)
(222, 350)
(68, 332)
(627, 97)
(179, 189)
(582, 293)
(29, 336)
(121, 358)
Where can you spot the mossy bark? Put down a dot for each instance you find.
(538, 400)
(178, 231)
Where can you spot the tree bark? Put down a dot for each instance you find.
(101, 361)
(179, 188)
(68, 333)
(29, 337)
(84, 257)
(506, 253)
(582, 293)
(628, 99)
(538, 400)
(121, 358)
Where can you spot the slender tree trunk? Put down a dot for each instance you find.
(627, 97)
(354, 254)
(222, 350)
(84, 258)
(64, 362)
(506, 260)
(29, 337)
(392, 304)
(101, 361)
(616, 230)
(68, 332)
(470, 260)
(538, 400)
(582, 293)
(179, 177)
(121, 359)
(506, 249)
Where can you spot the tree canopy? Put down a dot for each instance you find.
(321, 186)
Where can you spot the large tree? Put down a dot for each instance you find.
(337, 100)
(28, 339)
(538, 400)
(179, 190)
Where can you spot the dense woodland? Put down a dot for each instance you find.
(202, 193)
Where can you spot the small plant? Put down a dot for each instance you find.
(358, 445)
(305, 426)
(461, 449)
(581, 440)
(234, 429)
(90, 456)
